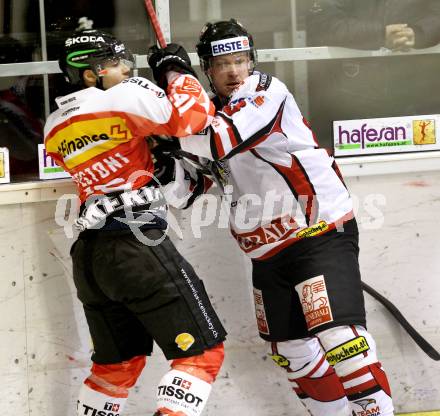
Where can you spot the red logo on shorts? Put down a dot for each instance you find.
(315, 302)
(260, 312)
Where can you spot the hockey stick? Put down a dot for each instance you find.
(429, 350)
(155, 23)
(161, 39)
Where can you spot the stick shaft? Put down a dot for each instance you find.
(412, 332)
(155, 23)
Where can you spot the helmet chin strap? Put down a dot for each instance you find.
(211, 84)
(99, 84)
(100, 74)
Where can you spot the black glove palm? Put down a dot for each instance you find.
(172, 57)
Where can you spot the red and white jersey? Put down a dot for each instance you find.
(283, 186)
(99, 136)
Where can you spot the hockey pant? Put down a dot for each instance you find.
(336, 373)
(182, 391)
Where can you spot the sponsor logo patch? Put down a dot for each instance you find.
(280, 360)
(68, 146)
(114, 407)
(68, 101)
(260, 312)
(231, 45)
(178, 381)
(119, 48)
(258, 101)
(264, 82)
(83, 140)
(424, 132)
(191, 85)
(347, 350)
(70, 110)
(315, 229)
(184, 341)
(144, 83)
(315, 302)
(83, 39)
(277, 230)
(4, 165)
(369, 407)
(183, 397)
(110, 409)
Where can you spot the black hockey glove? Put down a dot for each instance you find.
(172, 57)
(164, 150)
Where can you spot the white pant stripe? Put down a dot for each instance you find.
(358, 380)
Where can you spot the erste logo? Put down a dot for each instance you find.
(231, 45)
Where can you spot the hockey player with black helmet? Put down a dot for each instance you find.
(237, 53)
(134, 285)
(291, 213)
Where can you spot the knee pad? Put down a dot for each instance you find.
(352, 352)
(308, 371)
(297, 356)
(185, 389)
(105, 391)
(115, 379)
(204, 366)
(348, 348)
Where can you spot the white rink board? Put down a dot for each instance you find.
(45, 346)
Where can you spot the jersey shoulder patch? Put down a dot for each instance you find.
(264, 81)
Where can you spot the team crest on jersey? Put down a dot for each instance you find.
(191, 85)
(315, 301)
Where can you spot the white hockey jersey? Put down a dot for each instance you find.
(282, 186)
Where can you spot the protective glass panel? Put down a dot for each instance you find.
(269, 22)
(21, 123)
(20, 39)
(397, 83)
(22, 98)
(127, 20)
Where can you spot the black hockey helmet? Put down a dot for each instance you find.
(90, 49)
(212, 34)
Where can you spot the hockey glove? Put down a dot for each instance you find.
(164, 151)
(172, 58)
